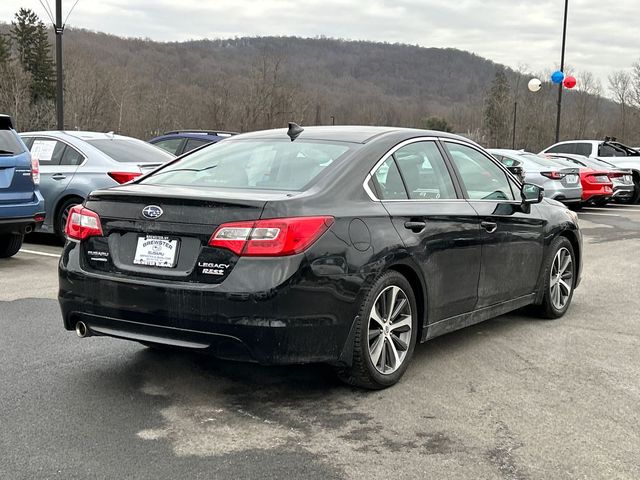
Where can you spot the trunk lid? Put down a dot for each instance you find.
(144, 223)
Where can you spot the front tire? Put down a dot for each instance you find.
(385, 335)
(10, 244)
(559, 279)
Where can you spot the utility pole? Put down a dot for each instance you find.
(59, 29)
(564, 41)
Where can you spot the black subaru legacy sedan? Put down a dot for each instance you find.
(342, 245)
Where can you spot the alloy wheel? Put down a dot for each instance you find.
(390, 323)
(561, 282)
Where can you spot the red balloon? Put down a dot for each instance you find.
(570, 82)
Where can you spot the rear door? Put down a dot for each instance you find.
(512, 246)
(439, 229)
(57, 165)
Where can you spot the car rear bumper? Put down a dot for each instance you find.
(597, 192)
(623, 191)
(21, 226)
(297, 321)
(565, 195)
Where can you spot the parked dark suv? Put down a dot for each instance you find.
(183, 141)
(21, 205)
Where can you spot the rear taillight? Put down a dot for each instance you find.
(599, 179)
(123, 177)
(615, 174)
(270, 238)
(35, 170)
(82, 223)
(553, 175)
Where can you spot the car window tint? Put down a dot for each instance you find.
(562, 148)
(388, 181)
(424, 172)
(583, 148)
(130, 150)
(9, 143)
(71, 156)
(171, 145)
(253, 164)
(483, 179)
(193, 143)
(47, 151)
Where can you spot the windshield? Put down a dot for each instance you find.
(9, 143)
(130, 150)
(253, 164)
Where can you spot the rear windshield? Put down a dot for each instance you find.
(130, 150)
(252, 164)
(9, 143)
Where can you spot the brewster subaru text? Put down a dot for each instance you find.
(344, 245)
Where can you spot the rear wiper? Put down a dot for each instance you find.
(6, 152)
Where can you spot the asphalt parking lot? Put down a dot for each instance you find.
(511, 398)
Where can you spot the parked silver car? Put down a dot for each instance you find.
(73, 164)
(559, 182)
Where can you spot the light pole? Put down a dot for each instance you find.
(560, 86)
(59, 29)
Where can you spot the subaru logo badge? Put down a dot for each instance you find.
(152, 212)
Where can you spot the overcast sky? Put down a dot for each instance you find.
(602, 37)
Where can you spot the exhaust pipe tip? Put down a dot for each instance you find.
(28, 229)
(82, 330)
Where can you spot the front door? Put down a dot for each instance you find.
(439, 229)
(513, 241)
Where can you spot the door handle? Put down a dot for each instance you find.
(415, 226)
(58, 176)
(489, 226)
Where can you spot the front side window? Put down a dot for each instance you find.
(483, 179)
(583, 149)
(254, 164)
(424, 172)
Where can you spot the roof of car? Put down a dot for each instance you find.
(82, 135)
(347, 133)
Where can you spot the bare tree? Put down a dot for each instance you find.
(620, 87)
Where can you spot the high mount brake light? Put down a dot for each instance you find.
(274, 237)
(123, 177)
(35, 170)
(553, 175)
(82, 223)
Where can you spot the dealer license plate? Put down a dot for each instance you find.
(156, 251)
(572, 179)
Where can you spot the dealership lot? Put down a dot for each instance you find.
(512, 398)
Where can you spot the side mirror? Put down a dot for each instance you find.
(531, 194)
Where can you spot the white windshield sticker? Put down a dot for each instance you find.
(43, 149)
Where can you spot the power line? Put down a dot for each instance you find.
(69, 14)
(47, 10)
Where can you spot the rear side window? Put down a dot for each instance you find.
(583, 149)
(71, 156)
(388, 181)
(483, 179)
(171, 145)
(9, 143)
(129, 150)
(424, 172)
(47, 151)
(563, 148)
(254, 164)
(193, 143)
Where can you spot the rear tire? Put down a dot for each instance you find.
(63, 213)
(385, 334)
(559, 280)
(10, 244)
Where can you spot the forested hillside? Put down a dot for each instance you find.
(140, 87)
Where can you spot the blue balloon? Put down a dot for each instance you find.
(557, 77)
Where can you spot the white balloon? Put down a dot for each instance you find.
(535, 84)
